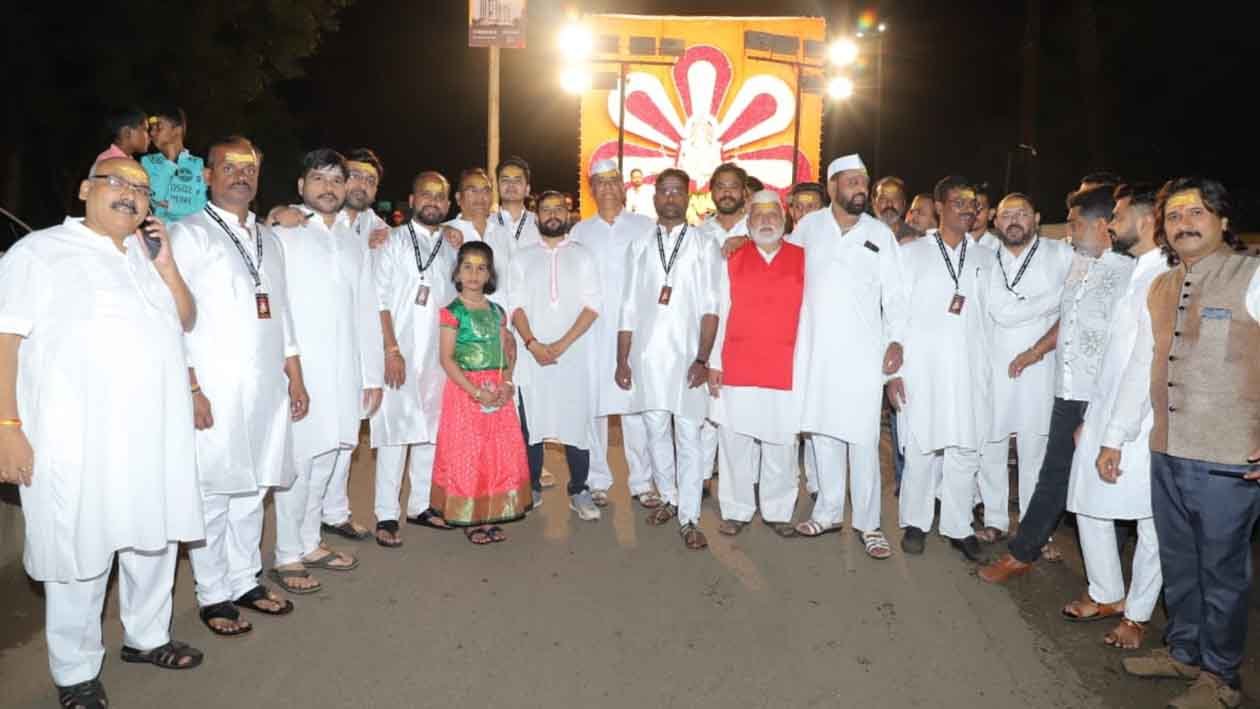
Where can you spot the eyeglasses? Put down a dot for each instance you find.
(117, 183)
(671, 191)
(365, 178)
(961, 204)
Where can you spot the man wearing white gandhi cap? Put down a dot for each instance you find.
(852, 322)
(607, 234)
(751, 377)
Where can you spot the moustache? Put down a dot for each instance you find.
(241, 183)
(1187, 234)
(327, 195)
(124, 205)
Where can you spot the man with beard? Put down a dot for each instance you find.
(336, 316)
(175, 173)
(1023, 294)
(640, 197)
(1096, 280)
(805, 197)
(668, 322)
(890, 207)
(921, 216)
(96, 425)
(413, 283)
(1099, 501)
(760, 289)
(1195, 360)
(247, 384)
(555, 300)
(606, 236)
(944, 393)
(852, 323)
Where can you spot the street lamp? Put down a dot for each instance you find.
(844, 52)
(575, 42)
(575, 79)
(840, 88)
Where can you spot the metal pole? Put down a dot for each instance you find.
(879, 101)
(621, 118)
(1006, 184)
(492, 124)
(796, 126)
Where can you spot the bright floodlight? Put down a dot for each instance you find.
(575, 79)
(840, 88)
(844, 52)
(576, 42)
(882, 26)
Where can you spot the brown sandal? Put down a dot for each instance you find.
(731, 527)
(661, 515)
(1086, 610)
(1127, 635)
(693, 538)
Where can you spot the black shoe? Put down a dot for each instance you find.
(913, 540)
(89, 694)
(968, 546)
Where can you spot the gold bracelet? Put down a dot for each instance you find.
(15, 423)
(196, 389)
(393, 350)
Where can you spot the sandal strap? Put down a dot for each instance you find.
(89, 693)
(388, 525)
(223, 610)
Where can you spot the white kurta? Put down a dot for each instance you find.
(770, 415)
(499, 243)
(719, 233)
(102, 391)
(337, 320)
(947, 371)
(410, 413)
(238, 357)
(553, 286)
(1130, 496)
(855, 305)
(641, 200)
(363, 225)
(666, 338)
(1020, 316)
(607, 244)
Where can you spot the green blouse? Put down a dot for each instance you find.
(477, 345)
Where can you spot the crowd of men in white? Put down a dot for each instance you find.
(153, 387)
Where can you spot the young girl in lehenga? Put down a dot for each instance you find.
(480, 473)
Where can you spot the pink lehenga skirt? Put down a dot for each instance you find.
(480, 473)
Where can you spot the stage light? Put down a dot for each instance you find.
(844, 52)
(840, 88)
(883, 26)
(575, 79)
(576, 42)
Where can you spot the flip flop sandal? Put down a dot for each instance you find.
(731, 527)
(1112, 639)
(84, 695)
(346, 529)
(1079, 611)
(279, 576)
(650, 500)
(661, 515)
(166, 656)
(389, 526)
(783, 529)
(257, 595)
(425, 519)
(480, 537)
(326, 562)
(497, 535)
(599, 497)
(693, 538)
(810, 528)
(223, 611)
(876, 544)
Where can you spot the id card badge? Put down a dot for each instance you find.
(422, 295)
(665, 293)
(956, 304)
(263, 304)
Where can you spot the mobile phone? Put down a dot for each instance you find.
(1229, 473)
(153, 244)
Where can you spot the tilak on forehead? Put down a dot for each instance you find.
(240, 157)
(765, 201)
(131, 172)
(1185, 198)
(476, 259)
(807, 198)
(362, 167)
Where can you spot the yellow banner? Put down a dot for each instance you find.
(720, 101)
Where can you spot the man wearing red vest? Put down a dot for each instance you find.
(750, 372)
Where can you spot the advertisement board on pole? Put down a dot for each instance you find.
(496, 23)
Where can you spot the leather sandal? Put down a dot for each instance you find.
(693, 538)
(1086, 610)
(661, 515)
(1127, 631)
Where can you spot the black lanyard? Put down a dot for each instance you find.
(1010, 286)
(253, 270)
(660, 247)
(423, 266)
(519, 227)
(962, 258)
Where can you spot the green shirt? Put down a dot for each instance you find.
(178, 187)
(477, 344)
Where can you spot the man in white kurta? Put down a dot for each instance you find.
(640, 196)
(756, 411)
(1023, 294)
(413, 284)
(96, 424)
(944, 392)
(336, 316)
(243, 362)
(607, 236)
(555, 300)
(852, 327)
(1096, 502)
(667, 326)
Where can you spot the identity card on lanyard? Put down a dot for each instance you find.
(422, 293)
(262, 304)
(957, 302)
(667, 290)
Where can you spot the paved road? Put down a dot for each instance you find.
(608, 614)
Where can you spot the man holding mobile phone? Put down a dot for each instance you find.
(1196, 363)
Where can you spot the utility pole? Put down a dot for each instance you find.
(492, 124)
(1031, 51)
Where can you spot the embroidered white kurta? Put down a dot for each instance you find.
(947, 368)
(855, 305)
(666, 338)
(102, 391)
(337, 320)
(607, 244)
(552, 286)
(238, 357)
(1021, 314)
(1089, 298)
(410, 414)
(1130, 496)
(769, 415)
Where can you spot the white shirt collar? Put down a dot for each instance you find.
(231, 219)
